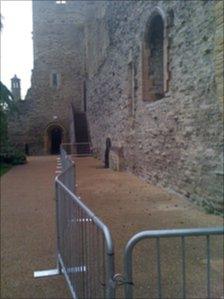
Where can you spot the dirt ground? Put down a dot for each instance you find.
(125, 203)
(128, 205)
(28, 231)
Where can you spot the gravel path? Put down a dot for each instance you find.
(28, 231)
(125, 203)
(128, 205)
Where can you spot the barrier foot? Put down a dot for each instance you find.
(54, 272)
(46, 273)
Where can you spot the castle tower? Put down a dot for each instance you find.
(58, 74)
(16, 88)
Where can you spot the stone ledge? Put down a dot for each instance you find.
(116, 158)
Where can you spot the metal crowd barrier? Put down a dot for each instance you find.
(173, 233)
(85, 248)
(85, 253)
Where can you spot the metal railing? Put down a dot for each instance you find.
(82, 149)
(69, 177)
(85, 247)
(85, 253)
(174, 233)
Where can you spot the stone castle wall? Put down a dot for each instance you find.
(219, 46)
(175, 142)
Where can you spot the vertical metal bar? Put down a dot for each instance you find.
(208, 267)
(62, 224)
(57, 205)
(110, 291)
(98, 268)
(84, 253)
(104, 257)
(70, 237)
(82, 258)
(90, 251)
(94, 261)
(77, 261)
(128, 272)
(158, 267)
(88, 256)
(75, 178)
(183, 268)
(77, 245)
(86, 225)
(67, 232)
(64, 228)
(72, 248)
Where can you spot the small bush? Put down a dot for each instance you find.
(11, 155)
(4, 168)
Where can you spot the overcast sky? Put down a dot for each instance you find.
(16, 42)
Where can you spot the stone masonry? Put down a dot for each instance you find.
(153, 74)
(175, 142)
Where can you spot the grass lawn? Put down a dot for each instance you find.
(4, 168)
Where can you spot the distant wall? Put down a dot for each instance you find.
(96, 36)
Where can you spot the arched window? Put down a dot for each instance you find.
(155, 57)
(55, 80)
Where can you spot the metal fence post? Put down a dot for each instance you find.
(57, 205)
(128, 287)
(110, 292)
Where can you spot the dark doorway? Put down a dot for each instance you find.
(27, 151)
(56, 138)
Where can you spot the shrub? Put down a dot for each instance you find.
(11, 155)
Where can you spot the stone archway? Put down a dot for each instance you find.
(54, 136)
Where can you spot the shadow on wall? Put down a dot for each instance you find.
(107, 152)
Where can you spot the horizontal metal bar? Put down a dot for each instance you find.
(54, 272)
(167, 233)
(46, 273)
